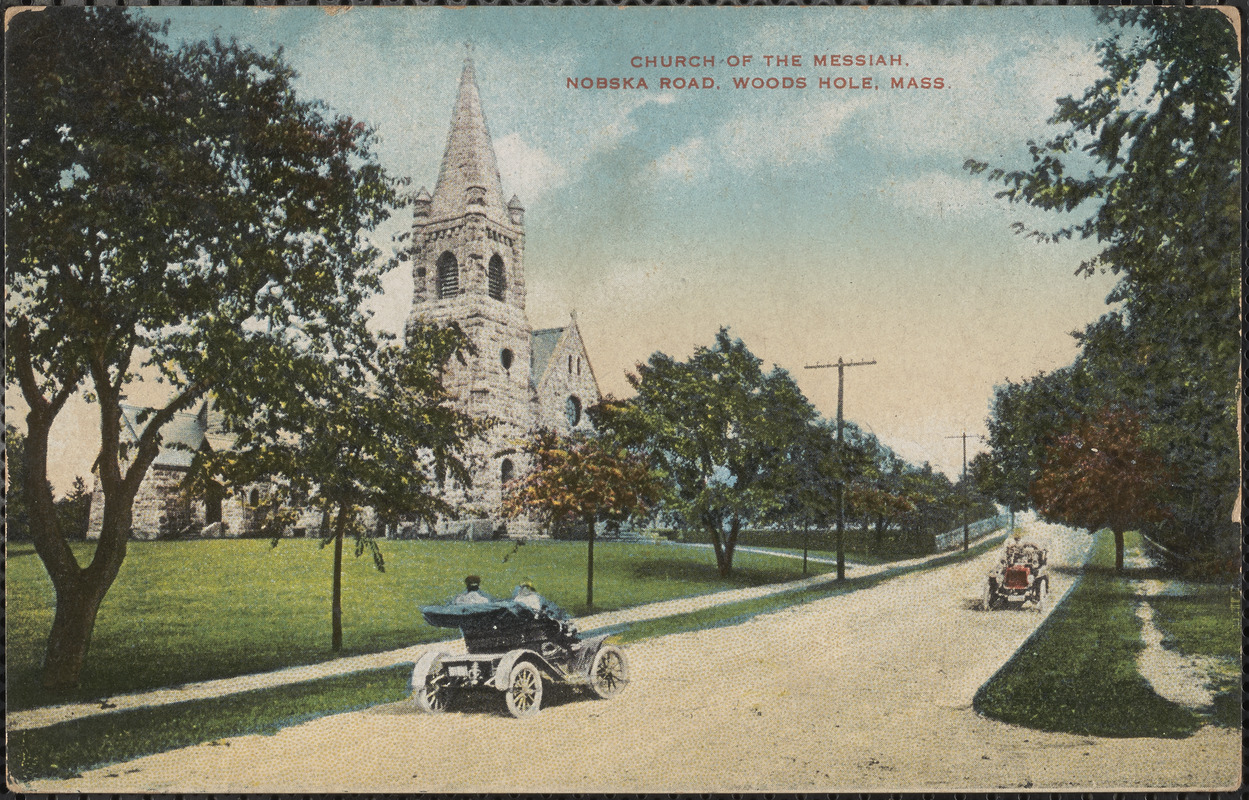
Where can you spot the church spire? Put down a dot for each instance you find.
(469, 177)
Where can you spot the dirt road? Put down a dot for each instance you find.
(868, 691)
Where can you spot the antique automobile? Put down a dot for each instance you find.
(1020, 577)
(514, 649)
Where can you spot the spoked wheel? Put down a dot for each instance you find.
(524, 690)
(609, 674)
(431, 687)
(987, 600)
(1043, 596)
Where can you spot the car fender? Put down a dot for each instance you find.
(503, 672)
(422, 667)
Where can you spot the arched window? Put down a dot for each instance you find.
(570, 365)
(578, 365)
(254, 498)
(505, 358)
(497, 280)
(506, 471)
(572, 409)
(448, 276)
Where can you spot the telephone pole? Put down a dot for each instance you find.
(841, 484)
(963, 436)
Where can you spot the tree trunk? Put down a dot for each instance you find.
(841, 530)
(806, 533)
(725, 563)
(76, 610)
(336, 592)
(79, 591)
(712, 525)
(1118, 551)
(589, 569)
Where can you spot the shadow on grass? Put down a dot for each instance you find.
(695, 572)
(14, 552)
(1128, 573)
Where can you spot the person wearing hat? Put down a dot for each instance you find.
(472, 592)
(528, 597)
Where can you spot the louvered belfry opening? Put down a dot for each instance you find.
(498, 283)
(448, 276)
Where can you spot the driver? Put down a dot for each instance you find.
(472, 592)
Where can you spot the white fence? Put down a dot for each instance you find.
(952, 540)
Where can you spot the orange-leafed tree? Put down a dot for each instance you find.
(1103, 474)
(583, 479)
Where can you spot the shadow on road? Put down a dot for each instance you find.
(486, 702)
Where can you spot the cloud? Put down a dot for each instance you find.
(686, 160)
(764, 137)
(527, 171)
(942, 195)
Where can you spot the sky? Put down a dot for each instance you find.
(813, 222)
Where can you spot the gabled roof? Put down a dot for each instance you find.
(180, 437)
(469, 159)
(542, 346)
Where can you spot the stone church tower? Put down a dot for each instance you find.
(468, 267)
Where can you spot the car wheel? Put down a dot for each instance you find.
(431, 686)
(609, 674)
(524, 690)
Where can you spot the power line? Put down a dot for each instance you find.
(841, 484)
(964, 436)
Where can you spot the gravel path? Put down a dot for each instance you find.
(867, 691)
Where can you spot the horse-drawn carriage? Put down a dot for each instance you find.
(514, 648)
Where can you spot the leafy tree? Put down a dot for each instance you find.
(16, 515)
(878, 491)
(379, 443)
(583, 479)
(1158, 137)
(719, 428)
(176, 212)
(1102, 474)
(808, 480)
(74, 510)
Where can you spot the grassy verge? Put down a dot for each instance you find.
(69, 748)
(1203, 620)
(1082, 656)
(63, 751)
(182, 612)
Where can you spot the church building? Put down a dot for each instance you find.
(469, 268)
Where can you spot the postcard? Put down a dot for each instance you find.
(622, 399)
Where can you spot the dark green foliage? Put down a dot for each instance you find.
(16, 515)
(177, 212)
(1158, 133)
(74, 510)
(720, 430)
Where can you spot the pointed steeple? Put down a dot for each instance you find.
(469, 177)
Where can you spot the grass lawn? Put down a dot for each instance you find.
(1204, 620)
(189, 611)
(66, 749)
(1078, 673)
